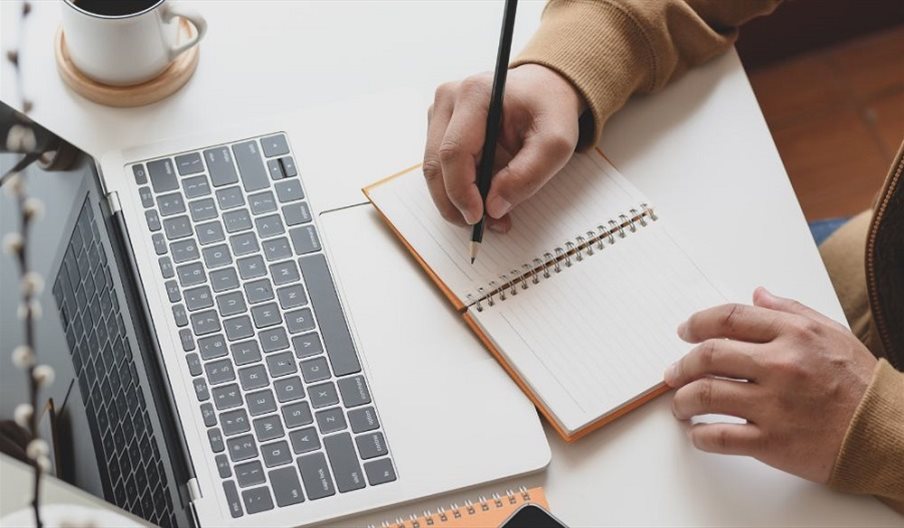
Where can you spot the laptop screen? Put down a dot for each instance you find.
(100, 419)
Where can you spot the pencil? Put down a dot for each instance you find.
(494, 122)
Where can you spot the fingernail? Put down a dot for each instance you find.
(682, 330)
(497, 227)
(498, 207)
(670, 374)
(471, 217)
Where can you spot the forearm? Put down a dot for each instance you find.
(611, 49)
(871, 460)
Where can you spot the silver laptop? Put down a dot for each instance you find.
(232, 348)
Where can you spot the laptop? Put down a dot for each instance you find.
(237, 344)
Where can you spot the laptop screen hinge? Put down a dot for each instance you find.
(113, 202)
(194, 490)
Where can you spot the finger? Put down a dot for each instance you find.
(764, 298)
(714, 396)
(541, 156)
(734, 321)
(715, 357)
(727, 439)
(500, 225)
(438, 118)
(460, 147)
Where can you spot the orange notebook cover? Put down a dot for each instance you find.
(637, 400)
(485, 512)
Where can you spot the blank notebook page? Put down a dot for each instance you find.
(585, 194)
(601, 332)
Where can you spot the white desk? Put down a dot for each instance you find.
(700, 150)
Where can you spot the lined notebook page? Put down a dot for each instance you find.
(602, 331)
(586, 193)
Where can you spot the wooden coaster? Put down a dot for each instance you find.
(171, 79)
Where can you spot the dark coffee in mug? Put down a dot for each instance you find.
(114, 8)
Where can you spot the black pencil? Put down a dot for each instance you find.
(494, 121)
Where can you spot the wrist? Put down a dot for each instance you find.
(564, 88)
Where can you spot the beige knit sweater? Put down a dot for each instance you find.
(612, 49)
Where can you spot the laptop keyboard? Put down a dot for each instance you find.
(132, 472)
(277, 377)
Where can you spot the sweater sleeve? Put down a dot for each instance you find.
(611, 49)
(871, 459)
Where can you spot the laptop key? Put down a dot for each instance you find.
(251, 267)
(288, 166)
(238, 220)
(219, 371)
(223, 466)
(177, 227)
(253, 377)
(187, 340)
(245, 352)
(307, 345)
(170, 204)
(323, 395)
(363, 420)
(159, 244)
(269, 226)
(241, 448)
(208, 415)
(220, 166)
(314, 370)
(184, 251)
(216, 440)
(299, 320)
(291, 296)
(206, 322)
(189, 163)
(250, 474)
(238, 328)
(163, 177)
(235, 422)
(286, 486)
(224, 279)
(331, 420)
(217, 256)
(173, 293)
(268, 428)
(275, 169)
(298, 414)
(257, 500)
(333, 327)
(277, 249)
(276, 454)
(198, 298)
(231, 303)
(261, 402)
(304, 240)
(266, 315)
(212, 347)
(304, 440)
(201, 210)
(196, 187)
(227, 397)
(180, 315)
(284, 273)
(379, 471)
(251, 166)
(288, 191)
(275, 145)
(230, 197)
(371, 445)
(244, 244)
(288, 389)
(354, 391)
(297, 213)
(210, 233)
(344, 462)
(274, 339)
(281, 364)
(146, 196)
(316, 476)
(259, 291)
(262, 202)
(232, 499)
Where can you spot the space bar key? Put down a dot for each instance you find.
(333, 327)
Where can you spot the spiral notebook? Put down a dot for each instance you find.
(579, 302)
(485, 512)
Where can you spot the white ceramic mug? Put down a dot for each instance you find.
(127, 48)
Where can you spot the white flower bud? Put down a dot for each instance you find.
(14, 185)
(44, 463)
(22, 415)
(23, 356)
(33, 208)
(12, 243)
(36, 448)
(36, 310)
(44, 375)
(21, 139)
(32, 283)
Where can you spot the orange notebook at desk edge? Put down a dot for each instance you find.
(579, 302)
(483, 513)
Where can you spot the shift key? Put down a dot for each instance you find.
(251, 166)
(220, 166)
(336, 336)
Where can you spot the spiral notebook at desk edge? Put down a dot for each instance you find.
(648, 286)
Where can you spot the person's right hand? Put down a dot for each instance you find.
(539, 134)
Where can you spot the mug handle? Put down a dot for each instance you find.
(173, 10)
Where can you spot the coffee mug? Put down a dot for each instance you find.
(126, 42)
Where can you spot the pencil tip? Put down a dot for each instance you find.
(473, 247)
(473, 259)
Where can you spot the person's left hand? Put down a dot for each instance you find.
(795, 375)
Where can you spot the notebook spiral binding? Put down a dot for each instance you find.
(455, 512)
(562, 257)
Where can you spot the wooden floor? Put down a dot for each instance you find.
(837, 117)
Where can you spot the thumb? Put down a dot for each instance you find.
(765, 299)
(540, 158)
